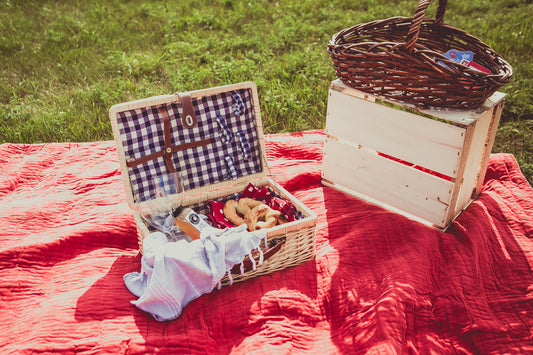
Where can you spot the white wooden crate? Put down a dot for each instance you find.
(426, 164)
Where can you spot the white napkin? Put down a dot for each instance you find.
(175, 273)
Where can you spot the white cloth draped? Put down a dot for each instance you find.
(175, 273)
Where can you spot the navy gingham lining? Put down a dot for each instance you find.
(141, 132)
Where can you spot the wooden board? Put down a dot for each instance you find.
(489, 142)
(473, 156)
(406, 188)
(457, 117)
(416, 139)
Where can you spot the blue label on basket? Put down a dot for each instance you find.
(460, 57)
(465, 58)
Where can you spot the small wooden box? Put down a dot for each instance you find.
(426, 164)
(213, 140)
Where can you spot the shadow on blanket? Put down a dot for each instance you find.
(107, 299)
(402, 286)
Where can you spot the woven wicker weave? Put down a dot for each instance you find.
(299, 245)
(402, 58)
(299, 235)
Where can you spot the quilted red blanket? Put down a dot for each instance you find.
(380, 283)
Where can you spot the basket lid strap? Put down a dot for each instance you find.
(416, 23)
(166, 153)
(168, 141)
(247, 264)
(134, 162)
(188, 118)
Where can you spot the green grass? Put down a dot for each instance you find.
(65, 63)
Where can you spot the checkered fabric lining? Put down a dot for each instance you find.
(141, 132)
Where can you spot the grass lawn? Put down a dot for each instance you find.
(65, 63)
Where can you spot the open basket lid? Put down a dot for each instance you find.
(209, 139)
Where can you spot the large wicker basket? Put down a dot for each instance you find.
(402, 58)
(151, 143)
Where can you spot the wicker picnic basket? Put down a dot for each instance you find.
(195, 134)
(402, 58)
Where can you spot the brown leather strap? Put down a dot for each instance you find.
(142, 160)
(189, 120)
(188, 117)
(247, 263)
(168, 140)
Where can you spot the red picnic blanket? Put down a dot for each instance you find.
(380, 283)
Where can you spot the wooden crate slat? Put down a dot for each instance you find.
(473, 166)
(401, 134)
(406, 188)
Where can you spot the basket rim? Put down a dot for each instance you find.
(307, 222)
(504, 72)
(373, 57)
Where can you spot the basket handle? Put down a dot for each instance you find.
(416, 23)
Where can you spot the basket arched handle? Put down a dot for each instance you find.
(414, 28)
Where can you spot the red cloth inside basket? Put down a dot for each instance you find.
(216, 214)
